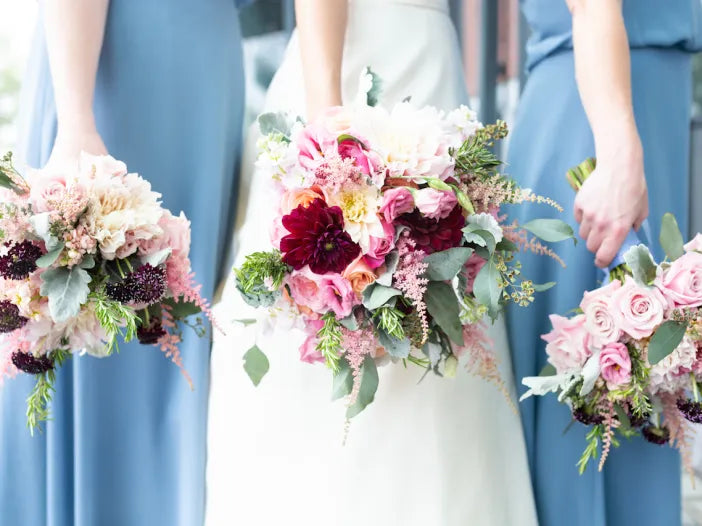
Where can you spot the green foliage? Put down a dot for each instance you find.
(67, 289)
(116, 319)
(665, 340)
(343, 381)
(591, 450)
(9, 176)
(671, 238)
(42, 393)
(445, 265)
(375, 296)
(252, 276)
(373, 94)
(330, 339)
(369, 385)
(641, 264)
(389, 319)
(443, 307)
(487, 287)
(635, 390)
(181, 309)
(550, 230)
(274, 123)
(256, 364)
(474, 156)
(51, 256)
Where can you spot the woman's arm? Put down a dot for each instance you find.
(321, 28)
(74, 31)
(614, 199)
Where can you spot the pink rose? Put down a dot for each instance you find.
(568, 344)
(600, 320)
(305, 290)
(474, 264)
(681, 283)
(308, 349)
(314, 143)
(277, 232)
(435, 204)
(44, 189)
(379, 247)
(638, 310)
(359, 275)
(337, 294)
(615, 364)
(396, 201)
(351, 148)
(695, 245)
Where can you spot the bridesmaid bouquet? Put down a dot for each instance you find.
(628, 362)
(388, 244)
(87, 258)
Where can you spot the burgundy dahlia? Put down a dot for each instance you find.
(317, 238)
(30, 364)
(691, 410)
(656, 435)
(435, 235)
(150, 334)
(148, 284)
(20, 261)
(10, 318)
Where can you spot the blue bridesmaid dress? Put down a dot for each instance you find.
(126, 446)
(640, 484)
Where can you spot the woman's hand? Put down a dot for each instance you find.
(614, 198)
(68, 146)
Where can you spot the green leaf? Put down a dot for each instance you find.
(50, 257)
(391, 261)
(665, 340)
(641, 264)
(375, 296)
(343, 381)
(541, 287)
(483, 238)
(255, 364)
(550, 230)
(270, 123)
(87, 263)
(486, 287)
(350, 322)
(446, 264)
(67, 290)
(442, 305)
(369, 385)
(506, 246)
(373, 94)
(395, 347)
(182, 309)
(548, 370)
(670, 237)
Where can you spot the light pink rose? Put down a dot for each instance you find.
(44, 188)
(694, 245)
(305, 290)
(277, 232)
(638, 310)
(600, 320)
(396, 201)
(308, 349)
(435, 204)
(568, 344)
(379, 247)
(474, 264)
(337, 294)
(681, 283)
(314, 143)
(353, 149)
(615, 364)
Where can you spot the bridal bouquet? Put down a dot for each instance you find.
(87, 258)
(628, 362)
(387, 243)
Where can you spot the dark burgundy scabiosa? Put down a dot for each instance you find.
(20, 261)
(583, 416)
(691, 410)
(121, 291)
(148, 284)
(10, 318)
(150, 334)
(317, 238)
(435, 235)
(656, 435)
(31, 364)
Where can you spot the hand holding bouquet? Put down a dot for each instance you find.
(87, 258)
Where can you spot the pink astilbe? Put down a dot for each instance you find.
(335, 172)
(168, 343)
(610, 423)
(407, 278)
(68, 206)
(357, 345)
(680, 430)
(519, 237)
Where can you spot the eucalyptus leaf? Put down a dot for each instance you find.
(550, 230)
(665, 340)
(350, 322)
(394, 347)
(182, 309)
(343, 381)
(157, 258)
(541, 287)
(444, 265)
(671, 238)
(256, 364)
(87, 263)
(486, 287)
(67, 289)
(548, 370)
(506, 246)
(272, 122)
(50, 257)
(480, 237)
(391, 261)
(373, 94)
(375, 296)
(641, 264)
(369, 385)
(442, 305)
(433, 352)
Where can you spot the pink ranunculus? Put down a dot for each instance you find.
(435, 204)
(379, 247)
(396, 201)
(305, 290)
(568, 344)
(308, 349)
(638, 310)
(615, 364)
(681, 283)
(314, 143)
(600, 319)
(337, 294)
(351, 148)
(474, 264)
(694, 245)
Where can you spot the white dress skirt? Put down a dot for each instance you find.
(440, 452)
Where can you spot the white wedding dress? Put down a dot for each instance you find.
(437, 453)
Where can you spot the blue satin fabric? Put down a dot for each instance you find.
(640, 485)
(126, 446)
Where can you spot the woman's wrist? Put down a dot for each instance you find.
(619, 142)
(76, 122)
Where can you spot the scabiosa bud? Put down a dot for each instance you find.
(584, 417)
(31, 364)
(656, 435)
(691, 410)
(20, 261)
(150, 334)
(121, 291)
(638, 421)
(148, 284)
(10, 318)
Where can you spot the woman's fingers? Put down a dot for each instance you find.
(611, 244)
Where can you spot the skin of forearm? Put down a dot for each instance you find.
(74, 32)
